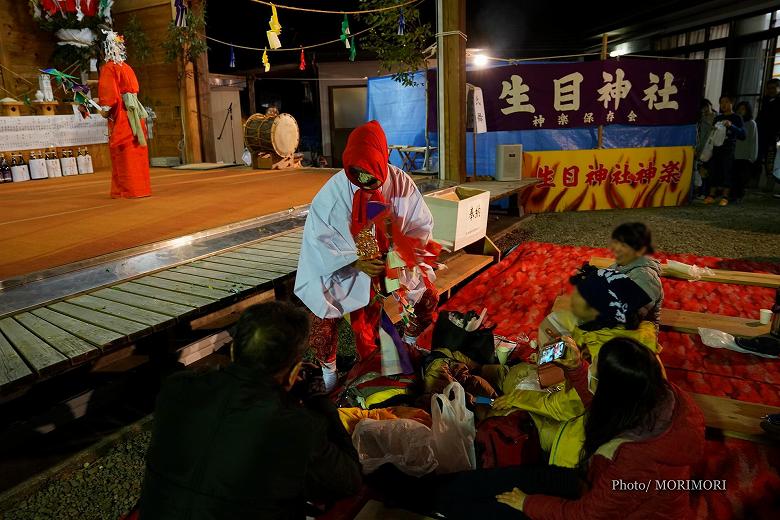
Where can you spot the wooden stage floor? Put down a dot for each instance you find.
(53, 222)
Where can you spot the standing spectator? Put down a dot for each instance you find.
(235, 443)
(768, 122)
(745, 153)
(728, 128)
(703, 129)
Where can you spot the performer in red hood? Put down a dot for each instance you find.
(368, 234)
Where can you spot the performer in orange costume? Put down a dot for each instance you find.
(118, 92)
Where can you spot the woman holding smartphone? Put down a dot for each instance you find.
(639, 428)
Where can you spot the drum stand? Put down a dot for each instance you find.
(229, 115)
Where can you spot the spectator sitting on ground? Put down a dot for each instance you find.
(631, 243)
(234, 443)
(638, 428)
(604, 306)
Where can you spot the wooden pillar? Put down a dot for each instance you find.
(250, 85)
(6, 81)
(451, 76)
(188, 95)
(192, 151)
(604, 54)
(208, 147)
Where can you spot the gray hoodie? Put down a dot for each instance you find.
(646, 272)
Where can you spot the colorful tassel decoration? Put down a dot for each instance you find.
(302, 66)
(181, 13)
(232, 64)
(266, 63)
(345, 31)
(401, 23)
(276, 30)
(352, 49)
(274, 21)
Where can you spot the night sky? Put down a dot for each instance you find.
(506, 28)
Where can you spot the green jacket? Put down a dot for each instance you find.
(559, 415)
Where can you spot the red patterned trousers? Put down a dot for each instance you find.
(365, 324)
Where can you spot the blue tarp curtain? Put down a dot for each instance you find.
(401, 112)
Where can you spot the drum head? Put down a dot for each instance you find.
(284, 135)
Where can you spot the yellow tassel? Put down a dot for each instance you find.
(274, 21)
(266, 63)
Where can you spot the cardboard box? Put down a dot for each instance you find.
(460, 215)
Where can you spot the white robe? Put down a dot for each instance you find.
(326, 282)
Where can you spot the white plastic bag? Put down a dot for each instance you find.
(697, 180)
(719, 339)
(247, 157)
(690, 272)
(405, 443)
(453, 430)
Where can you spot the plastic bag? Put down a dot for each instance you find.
(776, 171)
(690, 272)
(719, 339)
(405, 443)
(697, 180)
(247, 157)
(453, 430)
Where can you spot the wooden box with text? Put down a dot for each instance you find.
(460, 216)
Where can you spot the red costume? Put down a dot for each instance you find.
(129, 159)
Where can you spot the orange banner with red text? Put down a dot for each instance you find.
(618, 178)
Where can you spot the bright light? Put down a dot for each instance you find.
(480, 60)
(618, 52)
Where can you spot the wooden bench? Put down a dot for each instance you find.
(737, 417)
(689, 322)
(50, 339)
(719, 275)
(458, 269)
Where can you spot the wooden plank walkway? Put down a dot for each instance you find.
(718, 275)
(689, 322)
(50, 339)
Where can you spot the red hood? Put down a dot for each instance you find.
(367, 149)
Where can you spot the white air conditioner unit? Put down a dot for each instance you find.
(509, 162)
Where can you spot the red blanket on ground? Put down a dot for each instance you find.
(519, 292)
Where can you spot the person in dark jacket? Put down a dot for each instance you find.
(728, 128)
(768, 123)
(234, 443)
(638, 428)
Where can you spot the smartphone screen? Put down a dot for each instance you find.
(552, 352)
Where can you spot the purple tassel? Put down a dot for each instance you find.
(403, 353)
(401, 23)
(232, 58)
(181, 12)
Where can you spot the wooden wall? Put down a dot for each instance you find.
(158, 79)
(24, 48)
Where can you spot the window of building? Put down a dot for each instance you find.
(719, 31)
(753, 24)
(695, 37)
(714, 79)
